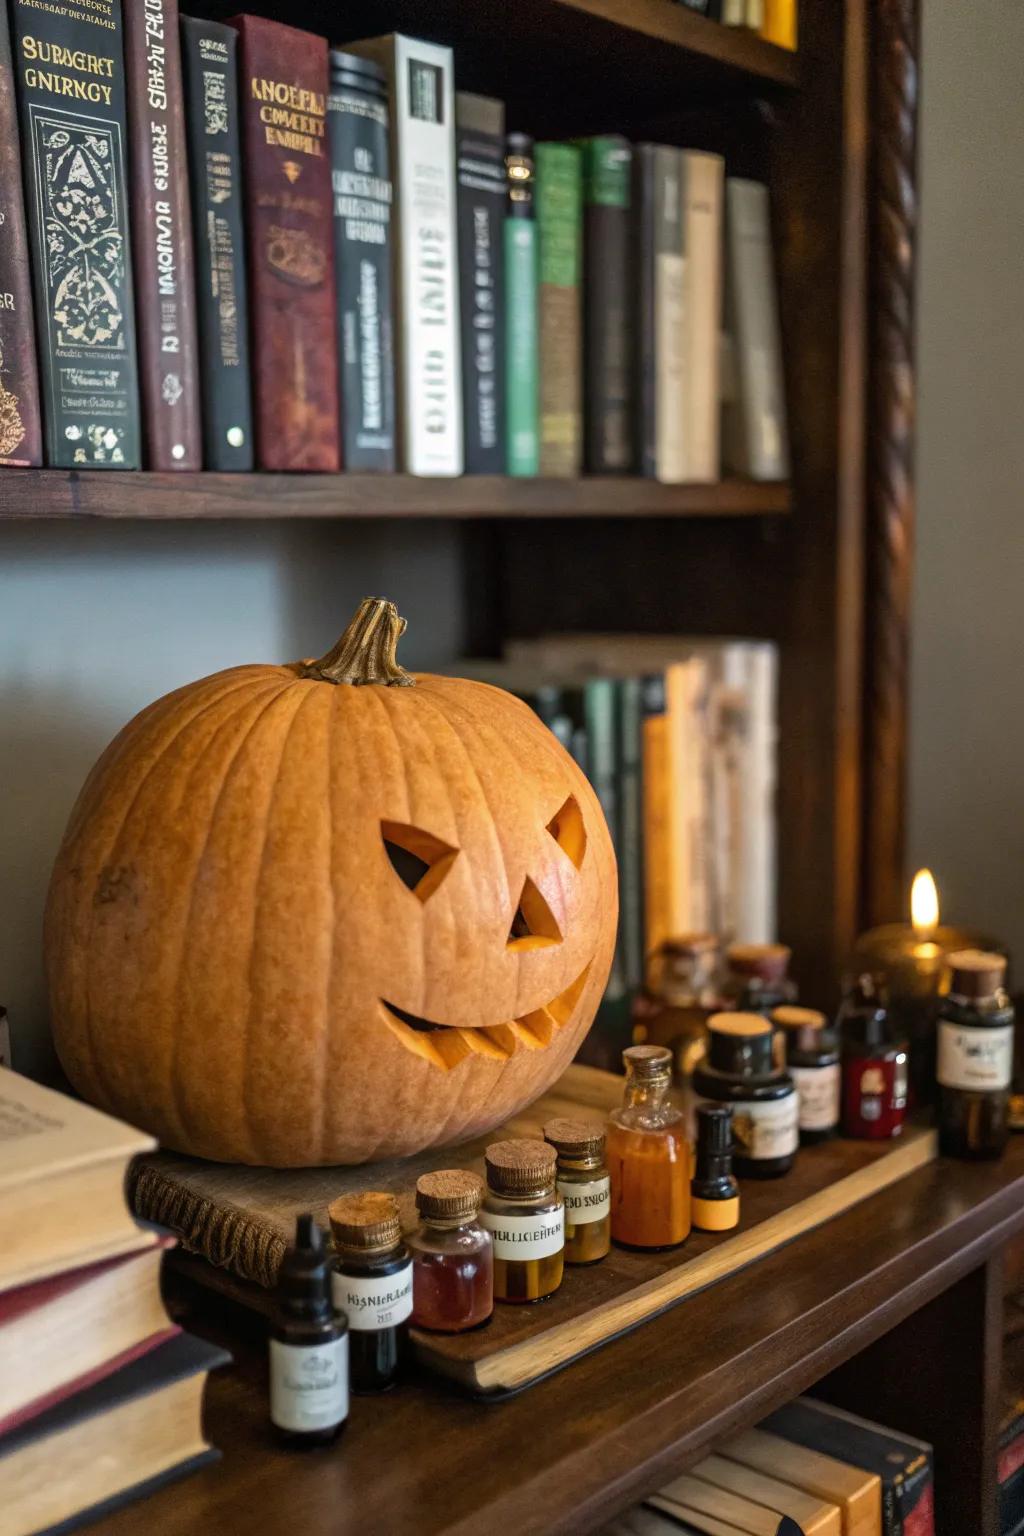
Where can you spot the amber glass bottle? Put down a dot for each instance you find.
(975, 1057)
(649, 1156)
(525, 1216)
(678, 995)
(581, 1179)
(452, 1254)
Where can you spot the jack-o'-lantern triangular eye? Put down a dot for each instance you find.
(419, 859)
(568, 831)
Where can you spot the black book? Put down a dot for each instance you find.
(357, 123)
(69, 62)
(607, 307)
(645, 383)
(215, 172)
(480, 151)
(114, 1441)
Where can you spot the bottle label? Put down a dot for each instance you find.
(818, 1090)
(767, 1129)
(586, 1202)
(372, 1302)
(309, 1384)
(975, 1058)
(534, 1236)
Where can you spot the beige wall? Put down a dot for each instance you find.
(967, 724)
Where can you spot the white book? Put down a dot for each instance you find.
(703, 182)
(423, 167)
(754, 418)
(669, 285)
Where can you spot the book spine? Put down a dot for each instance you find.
(522, 403)
(607, 310)
(645, 331)
(426, 253)
(361, 181)
(209, 66)
(703, 177)
(70, 69)
(755, 421)
(669, 279)
(559, 231)
(21, 432)
(779, 24)
(631, 900)
(482, 194)
(162, 238)
(287, 181)
(659, 828)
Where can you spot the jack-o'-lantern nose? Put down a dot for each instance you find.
(533, 925)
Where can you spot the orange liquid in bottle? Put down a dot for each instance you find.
(650, 1176)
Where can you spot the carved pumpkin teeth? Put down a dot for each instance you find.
(446, 1045)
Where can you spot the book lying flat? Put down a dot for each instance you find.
(699, 1506)
(62, 1168)
(63, 1334)
(814, 1515)
(858, 1493)
(122, 1437)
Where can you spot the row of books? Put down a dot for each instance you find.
(100, 1392)
(679, 739)
(774, 20)
(809, 1468)
(245, 249)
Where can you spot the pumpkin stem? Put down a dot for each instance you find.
(366, 651)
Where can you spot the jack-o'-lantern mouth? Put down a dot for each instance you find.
(445, 1045)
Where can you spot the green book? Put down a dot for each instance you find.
(521, 369)
(560, 243)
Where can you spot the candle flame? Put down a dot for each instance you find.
(924, 904)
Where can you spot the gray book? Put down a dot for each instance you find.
(754, 407)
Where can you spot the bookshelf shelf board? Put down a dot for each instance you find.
(69, 494)
(666, 21)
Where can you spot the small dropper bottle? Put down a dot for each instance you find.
(308, 1345)
(714, 1193)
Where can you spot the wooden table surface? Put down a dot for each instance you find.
(565, 1455)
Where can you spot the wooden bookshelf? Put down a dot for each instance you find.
(30, 494)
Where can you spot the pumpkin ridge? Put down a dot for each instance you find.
(173, 1067)
(303, 695)
(99, 1075)
(325, 1032)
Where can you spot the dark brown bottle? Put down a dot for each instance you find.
(975, 1057)
(677, 999)
(757, 978)
(371, 1281)
(308, 1345)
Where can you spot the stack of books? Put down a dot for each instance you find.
(809, 1470)
(100, 1393)
(231, 246)
(679, 738)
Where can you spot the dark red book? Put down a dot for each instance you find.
(287, 176)
(162, 238)
(61, 1335)
(21, 433)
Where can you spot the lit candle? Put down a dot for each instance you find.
(911, 958)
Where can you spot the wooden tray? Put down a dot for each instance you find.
(240, 1219)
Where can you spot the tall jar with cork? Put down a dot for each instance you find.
(525, 1216)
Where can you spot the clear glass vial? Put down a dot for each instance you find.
(581, 1179)
(649, 1155)
(371, 1281)
(452, 1254)
(525, 1216)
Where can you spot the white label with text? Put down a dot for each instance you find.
(586, 1202)
(766, 1128)
(309, 1384)
(371, 1302)
(534, 1236)
(818, 1091)
(975, 1058)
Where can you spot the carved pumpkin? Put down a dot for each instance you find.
(298, 921)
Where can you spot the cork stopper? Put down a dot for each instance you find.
(575, 1138)
(367, 1223)
(768, 962)
(520, 1167)
(647, 1061)
(449, 1194)
(789, 1016)
(976, 972)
